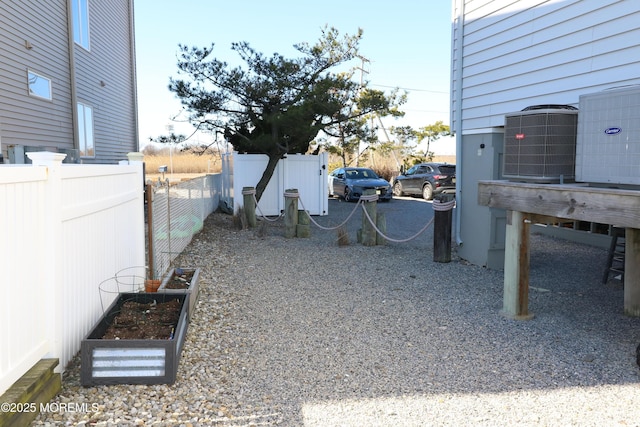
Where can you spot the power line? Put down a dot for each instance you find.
(409, 89)
(424, 111)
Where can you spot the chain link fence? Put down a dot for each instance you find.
(175, 213)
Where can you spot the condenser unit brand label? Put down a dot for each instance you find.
(519, 135)
(612, 131)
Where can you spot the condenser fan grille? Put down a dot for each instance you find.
(540, 145)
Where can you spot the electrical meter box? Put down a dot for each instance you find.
(608, 143)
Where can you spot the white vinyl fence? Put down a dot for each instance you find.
(306, 173)
(66, 229)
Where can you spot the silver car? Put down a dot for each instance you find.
(350, 184)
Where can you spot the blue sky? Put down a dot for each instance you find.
(407, 41)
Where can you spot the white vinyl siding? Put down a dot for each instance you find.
(528, 52)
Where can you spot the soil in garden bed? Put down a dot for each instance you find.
(145, 321)
(180, 279)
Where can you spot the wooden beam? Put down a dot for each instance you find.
(571, 201)
(36, 387)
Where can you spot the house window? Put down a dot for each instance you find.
(85, 131)
(80, 11)
(39, 86)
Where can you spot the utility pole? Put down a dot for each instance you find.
(362, 70)
(362, 73)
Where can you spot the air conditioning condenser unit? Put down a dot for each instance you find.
(540, 144)
(608, 148)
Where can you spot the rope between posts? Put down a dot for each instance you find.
(263, 215)
(330, 228)
(369, 198)
(443, 206)
(395, 240)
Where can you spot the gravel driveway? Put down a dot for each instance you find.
(303, 332)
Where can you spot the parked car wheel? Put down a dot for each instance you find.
(397, 189)
(347, 195)
(427, 192)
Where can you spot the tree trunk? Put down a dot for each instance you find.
(267, 174)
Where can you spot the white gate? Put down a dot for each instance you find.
(306, 173)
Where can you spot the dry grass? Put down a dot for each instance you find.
(183, 163)
(189, 165)
(445, 159)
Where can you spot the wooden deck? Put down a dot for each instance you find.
(528, 203)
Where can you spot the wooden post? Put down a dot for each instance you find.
(516, 267)
(442, 230)
(249, 203)
(381, 223)
(290, 212)
(368, 232)
(632, 272)
(151, 274)
(303, 229)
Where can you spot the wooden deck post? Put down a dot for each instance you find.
(516, 267)
(632, 272)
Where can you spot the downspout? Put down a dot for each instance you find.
(457, 44)
(134, 74)
(72, 79)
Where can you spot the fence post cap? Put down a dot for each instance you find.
(45, 158)
(135, 157)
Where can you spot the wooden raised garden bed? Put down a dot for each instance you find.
(180, 281)
(137, 341)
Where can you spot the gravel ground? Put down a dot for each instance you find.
(303, 332)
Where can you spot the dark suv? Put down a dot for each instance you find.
(427, 180)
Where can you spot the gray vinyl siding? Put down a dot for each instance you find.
(75, 76)
(521, 53)
(110, 62)
(24, 119)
